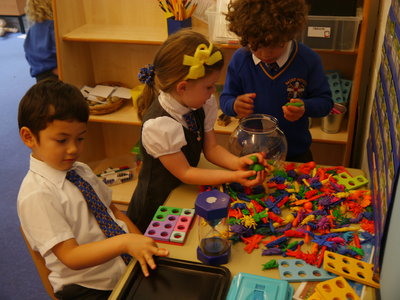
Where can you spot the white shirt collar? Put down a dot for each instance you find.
(55, 176)
(173, 107)
(282, 59)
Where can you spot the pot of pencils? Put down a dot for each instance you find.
(178, 13)
(333, 121)
(175, 25)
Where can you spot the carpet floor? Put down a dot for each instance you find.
(19, 278)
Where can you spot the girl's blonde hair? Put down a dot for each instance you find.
(169, 69)
(39, 10)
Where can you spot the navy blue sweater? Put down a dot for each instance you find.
(40, 47)
(301, 77)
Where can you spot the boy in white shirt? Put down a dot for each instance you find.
(85, 259)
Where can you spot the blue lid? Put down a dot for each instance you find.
(212, 205)
(246, 286)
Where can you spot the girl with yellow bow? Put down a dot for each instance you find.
(178, 112)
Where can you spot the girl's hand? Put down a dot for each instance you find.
(293, 110)
(253, 166)
(143, 248)
(248, 160)
(245, 178)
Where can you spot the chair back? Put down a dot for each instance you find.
(40, 267)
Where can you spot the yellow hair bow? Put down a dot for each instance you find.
(201, 56)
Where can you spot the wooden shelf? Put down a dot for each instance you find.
(121, 193)
(92, 33)
(117, 34)
(102, 40)
(352, 52)
(125, 115)
(333, 138)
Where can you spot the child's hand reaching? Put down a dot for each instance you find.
(249, 178)
(243, 105)
(143, 248)
(293, 110)
(248, 160)
(253, 169)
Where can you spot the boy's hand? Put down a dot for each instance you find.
(143, 248)
(243, 105)
(293, 110)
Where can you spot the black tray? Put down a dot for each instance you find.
(177, 279)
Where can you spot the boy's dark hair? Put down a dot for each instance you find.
(263, 23)
(50, 100)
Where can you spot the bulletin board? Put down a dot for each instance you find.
(383, 144)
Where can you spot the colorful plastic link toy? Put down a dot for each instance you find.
(302, 204)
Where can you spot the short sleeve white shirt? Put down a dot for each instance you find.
(51, 210)
(164, 135)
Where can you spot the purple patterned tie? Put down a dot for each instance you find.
(192, 123)
(107, 224)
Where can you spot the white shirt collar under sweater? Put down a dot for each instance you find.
(281, 60)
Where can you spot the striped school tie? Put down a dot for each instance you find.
(274, 67)
(107, 224)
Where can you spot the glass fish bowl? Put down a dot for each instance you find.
(259, 133)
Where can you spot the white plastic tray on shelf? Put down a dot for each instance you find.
(218, 27)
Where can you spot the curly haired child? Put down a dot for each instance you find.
(273, 73)
(178, 112)
(40, 45)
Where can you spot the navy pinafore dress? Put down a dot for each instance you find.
(155, 182)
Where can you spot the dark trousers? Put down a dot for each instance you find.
(45, 75)
(77, 292)
(301, 158)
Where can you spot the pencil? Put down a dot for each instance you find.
(192, 10)
(178, 9)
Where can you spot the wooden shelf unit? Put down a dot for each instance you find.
(12, 7)
(110, 40)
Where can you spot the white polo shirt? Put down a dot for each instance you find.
(51, 210)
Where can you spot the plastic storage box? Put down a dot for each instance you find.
(333, 8)
(218, 28)
(331, 32)
(246, 286)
